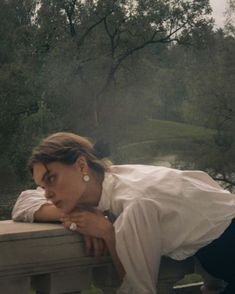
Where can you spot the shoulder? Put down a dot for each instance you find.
(37, 193)
(137, 172)
(27, 203)
(199, 179)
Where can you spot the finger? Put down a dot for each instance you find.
(77, 213)
(64, 219)
(80, 224)
(66, 224)
(101, 246)
(76, 218)
(96, 247)
(106, 250)
(87, 245)
(84, 217)
(84, 209)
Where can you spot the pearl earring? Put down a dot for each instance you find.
(86, 178)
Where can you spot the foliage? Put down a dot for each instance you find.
(143, 142)
(212, 104)
(96, 67)
(230, 18)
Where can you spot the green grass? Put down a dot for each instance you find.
(188, 279)
(141, 142)
(91, 290)
(153, 129)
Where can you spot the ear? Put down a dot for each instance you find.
(81, 163)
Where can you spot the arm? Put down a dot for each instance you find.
(47, 213)
(32, 206)
(94, 224)
(134, 243)
(139, 246)
(110, 241)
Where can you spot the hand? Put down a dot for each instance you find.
(94, 246)
(91, 223)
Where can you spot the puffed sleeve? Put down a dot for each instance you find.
(139, 247)
(27, 204)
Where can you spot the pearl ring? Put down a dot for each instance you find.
(73, 227)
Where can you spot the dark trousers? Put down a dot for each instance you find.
(218, 258)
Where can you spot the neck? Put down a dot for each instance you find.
(92, 194)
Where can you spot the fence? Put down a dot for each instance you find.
(50, 259)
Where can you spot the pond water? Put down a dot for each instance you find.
(165, 160)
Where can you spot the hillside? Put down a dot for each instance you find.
(141, 142)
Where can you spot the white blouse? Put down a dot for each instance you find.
(160, 211)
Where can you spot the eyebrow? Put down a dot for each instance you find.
(47, 172)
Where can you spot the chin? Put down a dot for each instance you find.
(66, 210)
(84, 202)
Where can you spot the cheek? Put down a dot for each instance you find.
(70, 186)
(71, 190)
(65, 182)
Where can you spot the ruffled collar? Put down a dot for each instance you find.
(106, 195)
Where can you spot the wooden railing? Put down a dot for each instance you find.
(50, 259)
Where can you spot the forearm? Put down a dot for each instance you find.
(110, 241)
(95, 225)
(46, 213)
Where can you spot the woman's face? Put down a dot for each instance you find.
(63, 183)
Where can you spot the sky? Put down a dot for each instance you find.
(218, 7)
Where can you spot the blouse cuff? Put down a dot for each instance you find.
(27, 204)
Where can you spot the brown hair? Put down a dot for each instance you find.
(66, 148)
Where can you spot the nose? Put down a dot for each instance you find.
(49, 194)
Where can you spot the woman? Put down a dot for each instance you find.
(159, 211)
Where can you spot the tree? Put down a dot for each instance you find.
(212, 105)
(86, 62)
(105, 34)
(230, 18)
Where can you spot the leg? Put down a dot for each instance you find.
(230, 289)
(211, 285)
(218, 258)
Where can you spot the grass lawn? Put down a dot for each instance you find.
(188, 279)
(153, 129)
(139, 143)
(91, 290)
